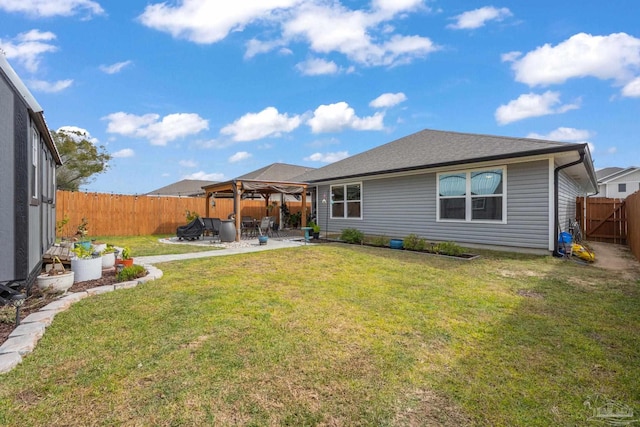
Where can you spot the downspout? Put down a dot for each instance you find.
(556, 173)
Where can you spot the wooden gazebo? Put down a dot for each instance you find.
(264, 182)
(238, 189)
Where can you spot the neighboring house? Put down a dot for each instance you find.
(476, 190)
(618, 182)
(28, 158)
(184, 188)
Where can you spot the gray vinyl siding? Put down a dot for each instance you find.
(568, 192)
(398, 206)
(7, 188)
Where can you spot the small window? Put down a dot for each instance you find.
(622, 188)
(35, 153)
(346, 201)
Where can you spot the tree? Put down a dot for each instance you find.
(81, 158)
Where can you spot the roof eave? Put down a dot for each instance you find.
(562, 149)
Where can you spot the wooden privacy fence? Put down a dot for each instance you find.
(124, 215)
(633, 223)
(603, 219)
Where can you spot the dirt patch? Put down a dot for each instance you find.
(617, 258)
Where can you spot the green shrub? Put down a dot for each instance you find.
(447, 248)
(413, 242)
(131, 273)
(352, 235)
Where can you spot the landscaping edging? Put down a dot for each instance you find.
(24, 338)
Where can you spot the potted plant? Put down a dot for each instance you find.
(55, 277)
(315, 229)
(125, 258)
(108, 256)
(81, 235)
(86, 264)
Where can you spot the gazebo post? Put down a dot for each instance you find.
(237, 197)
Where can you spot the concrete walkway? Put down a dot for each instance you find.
(24, 338)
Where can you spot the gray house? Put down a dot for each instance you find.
(28, 158)
(476, 190)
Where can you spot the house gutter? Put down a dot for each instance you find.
(556, 219)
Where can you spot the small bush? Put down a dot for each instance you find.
(447, 248)
(131, 273)
(352, 235)
(414, 242)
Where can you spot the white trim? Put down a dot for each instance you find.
(469, 197)
(345, 201)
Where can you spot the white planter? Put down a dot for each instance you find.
(86, 269)
(58, 283)
(108, 260)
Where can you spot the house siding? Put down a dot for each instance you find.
(611, 187)
(398, 206)
(568, 192)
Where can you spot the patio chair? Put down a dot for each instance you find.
(212, 227)
(191, 231)
(264, 228)
(247, 227)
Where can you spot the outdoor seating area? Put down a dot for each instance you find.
(210, 230)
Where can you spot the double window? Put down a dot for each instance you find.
(476, 195)
(346, 201)
(35, 153)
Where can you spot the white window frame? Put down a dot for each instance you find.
(469, 197)
(34, 170)
(346, 202)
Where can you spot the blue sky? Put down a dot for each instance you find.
(212, 90)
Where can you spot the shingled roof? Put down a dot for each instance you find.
(433, 148)
(279, 172)
(184, 188)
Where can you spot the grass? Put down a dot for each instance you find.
(338, 335)
(150, 245)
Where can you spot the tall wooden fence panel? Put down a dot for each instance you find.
(633, 220)
(125, 215)
(603, 219)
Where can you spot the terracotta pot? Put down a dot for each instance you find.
(125, 262)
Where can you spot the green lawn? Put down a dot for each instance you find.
(339, 335)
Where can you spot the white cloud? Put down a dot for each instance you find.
(327, 157)
(478, 17)
(188, 163)
(78, 134)
(613, 57)
(563, 134)
(204, 21)
(632, 89)
(50, 87)
(612, 150)
(204, 176)
(387, 100)
(510, 56)
(125, 152)
(48, 8)
(158, 132)
(353, 33)
(28, 48)
(114, 68)
(532, 105)
(266, 123)
(339, 116)
(364, 36)
(316, 67)
(239, 156)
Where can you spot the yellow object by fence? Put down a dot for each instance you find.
(583, 252)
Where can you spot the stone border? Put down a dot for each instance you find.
(24, 338)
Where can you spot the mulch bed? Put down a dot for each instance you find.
(39, 299)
